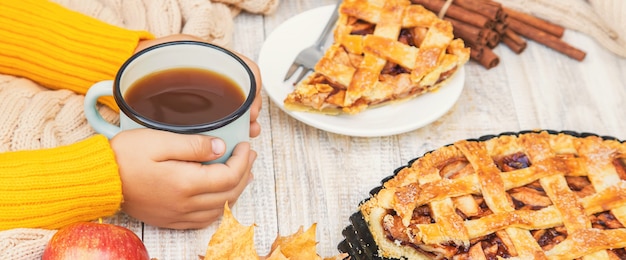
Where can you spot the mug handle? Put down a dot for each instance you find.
(95, 119)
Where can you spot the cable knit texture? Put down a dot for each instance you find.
(34, 117)
(24, 243)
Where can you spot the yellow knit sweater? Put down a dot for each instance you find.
(59, 48)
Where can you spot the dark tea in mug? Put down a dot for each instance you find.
(183, 87)
(184, 96)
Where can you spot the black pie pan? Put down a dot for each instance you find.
(358, 241)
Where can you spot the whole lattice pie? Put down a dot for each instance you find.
(383, 51)
(535, 195)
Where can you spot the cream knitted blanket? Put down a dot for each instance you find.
(33, 117)
(604, 20)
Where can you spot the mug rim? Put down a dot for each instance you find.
(183, 129)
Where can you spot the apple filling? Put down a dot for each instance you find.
(530, 197)
(382, 52)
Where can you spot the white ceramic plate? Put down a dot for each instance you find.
(299, 32)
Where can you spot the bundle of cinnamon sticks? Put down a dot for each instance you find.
(483, 24)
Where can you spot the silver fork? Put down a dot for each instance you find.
(308, 57)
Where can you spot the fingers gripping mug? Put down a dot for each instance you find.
(183, 87)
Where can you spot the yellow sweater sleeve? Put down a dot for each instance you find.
(54, 187)
(59, 48)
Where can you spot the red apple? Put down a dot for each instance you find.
(87, 240)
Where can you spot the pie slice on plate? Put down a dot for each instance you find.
(383, 51)
(532, 195)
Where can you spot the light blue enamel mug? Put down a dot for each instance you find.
(233, 128)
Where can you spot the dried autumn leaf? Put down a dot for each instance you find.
(235, 241)
(231, 240)
(300, 245)
(276, 255)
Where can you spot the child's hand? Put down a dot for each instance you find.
(164, 184)
(255, 127)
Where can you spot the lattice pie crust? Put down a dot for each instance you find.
(383, 50)
(531, 196)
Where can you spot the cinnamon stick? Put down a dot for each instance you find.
(484, 56)
(481, 7)
(513, 41)
(472, 35)
(491, 2)
(501, 15)
(545, 38)
(514, 37)
(457, 12)
(500, 26)
(538, 23)
(493, 39)
(515, 47)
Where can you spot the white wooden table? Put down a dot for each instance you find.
(304, 175)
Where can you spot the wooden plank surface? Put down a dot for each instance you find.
(304, 175)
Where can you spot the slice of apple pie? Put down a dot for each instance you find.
(533, 195)
(383, 50)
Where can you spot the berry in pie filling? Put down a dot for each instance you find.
(534, 195)
(383, 51)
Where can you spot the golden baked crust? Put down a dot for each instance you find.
(382, 51)
(529, 196)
